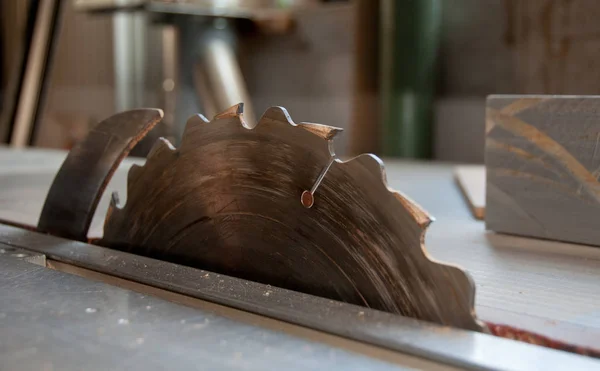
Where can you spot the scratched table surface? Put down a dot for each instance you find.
(51, 320)
(544, 286)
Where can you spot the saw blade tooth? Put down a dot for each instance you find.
(455, 276)
(115, 202)
(236, 111)
(160, 147)
(276, 113)
(233, 111)
(280, 114)
(377, 167)
(134, 173)
(195, 120)
(162, 144)
(112, 206)
(203, 118)
(324, 131)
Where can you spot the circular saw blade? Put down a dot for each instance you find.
(228, 200)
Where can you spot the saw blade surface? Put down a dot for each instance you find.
(228, 200)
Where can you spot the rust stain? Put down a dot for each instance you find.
(529, 337)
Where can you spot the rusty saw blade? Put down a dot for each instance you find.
(273, 204)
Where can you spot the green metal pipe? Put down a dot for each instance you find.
(410, 36)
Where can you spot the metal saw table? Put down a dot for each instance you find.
(54, 320)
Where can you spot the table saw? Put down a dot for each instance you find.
(205, 263)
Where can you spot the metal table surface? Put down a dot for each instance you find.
(543, 286)
(426, 345)
(51, 320)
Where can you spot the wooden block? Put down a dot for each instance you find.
(471, 181)
(543, 164)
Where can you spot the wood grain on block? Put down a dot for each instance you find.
(471, 180)
(543, 164)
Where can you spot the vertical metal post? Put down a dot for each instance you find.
(129, 38)
(170, 62)
(223, 74)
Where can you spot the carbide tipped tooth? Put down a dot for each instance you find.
(233, 111)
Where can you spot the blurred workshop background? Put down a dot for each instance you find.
(403, 78)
